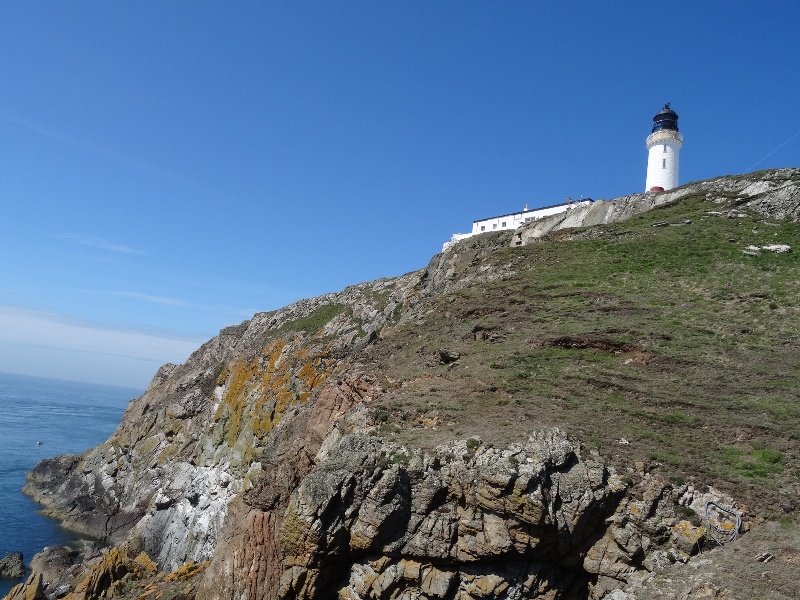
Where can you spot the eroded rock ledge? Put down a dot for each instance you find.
(374, 519)
(378, 520)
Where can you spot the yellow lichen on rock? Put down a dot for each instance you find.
(144, 565)
(30, 590)
(297, 539)
(687, 537)
(186, 571)
(259, 391)
(521, 505)
(98, 581)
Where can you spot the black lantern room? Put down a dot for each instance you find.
(665, 119)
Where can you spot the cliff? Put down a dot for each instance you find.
(519, 419)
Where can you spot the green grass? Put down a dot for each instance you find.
(668, 337)
(758, 463)
(314, 321)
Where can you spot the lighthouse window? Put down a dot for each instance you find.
(664, 164)
(665, 148)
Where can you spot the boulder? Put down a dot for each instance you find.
(12, 566)
(58, 566)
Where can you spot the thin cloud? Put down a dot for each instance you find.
(164, 301)
(234, 311)
(100, 243)
(55, 345)
(106, 153)
(758, 162)
(65, 331)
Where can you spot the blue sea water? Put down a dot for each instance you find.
(67, 417)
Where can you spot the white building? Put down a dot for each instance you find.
(513, 220)
(663, 147)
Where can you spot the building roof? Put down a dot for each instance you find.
(533, 210)
(667, 111)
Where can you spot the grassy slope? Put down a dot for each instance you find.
(669, 337)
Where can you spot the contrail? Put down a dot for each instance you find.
(771, 153)
(105, 152)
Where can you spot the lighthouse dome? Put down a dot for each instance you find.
(666, 118)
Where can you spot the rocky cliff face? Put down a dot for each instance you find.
(262, 459)
(193, 441)
(373, 519)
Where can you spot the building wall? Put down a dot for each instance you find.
(514, 220)
(511, 221)
(662, 163)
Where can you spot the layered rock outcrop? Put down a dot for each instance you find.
(373, 519)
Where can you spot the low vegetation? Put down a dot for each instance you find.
(657, 340)
(314, 321)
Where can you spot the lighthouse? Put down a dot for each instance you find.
(663, 147)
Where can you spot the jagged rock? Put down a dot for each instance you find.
(687, 538)
(111, 568)
(446, 507)
(58, 566)
(105, 576)
(12, 566)
(54, 561)
(114, 573)
(30, 590)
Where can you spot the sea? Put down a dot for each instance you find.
(41, 418)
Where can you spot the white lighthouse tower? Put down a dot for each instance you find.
(663, 147)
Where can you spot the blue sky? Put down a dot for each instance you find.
(170, 168)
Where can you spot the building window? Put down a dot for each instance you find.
(665, 148)
(483, 227)
(494, 225)
(664, 164)
(504, 224)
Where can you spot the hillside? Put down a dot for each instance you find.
(540, 413)
(659, 330)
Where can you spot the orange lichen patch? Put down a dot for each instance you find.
(148, 591)
(310, 374)
(144, 566)
(186, 571)
(426, 421)
(688, 532)
(260, 390)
